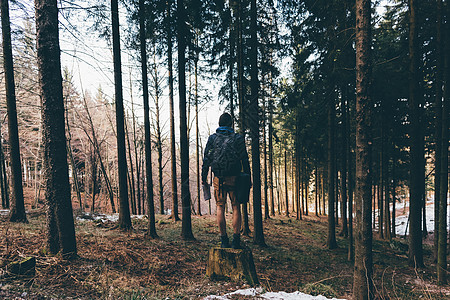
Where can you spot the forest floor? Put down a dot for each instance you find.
(114, 264)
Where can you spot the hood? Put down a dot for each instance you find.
(225, 130)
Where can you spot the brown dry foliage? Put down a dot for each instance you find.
(113, 264)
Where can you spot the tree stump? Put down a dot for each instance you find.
(231, 264)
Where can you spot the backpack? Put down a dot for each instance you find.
(225, 158)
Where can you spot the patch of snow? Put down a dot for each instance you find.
(401, 222)
(258, 293)
(98, 217)
(140, 217)
(4, 212)
(105, 217)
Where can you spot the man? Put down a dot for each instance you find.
(227, 156)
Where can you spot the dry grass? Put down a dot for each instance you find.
(113, 264)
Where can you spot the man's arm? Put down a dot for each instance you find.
(207, 158)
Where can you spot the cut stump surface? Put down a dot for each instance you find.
(231, 264)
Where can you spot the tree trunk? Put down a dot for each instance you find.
(415, 257)
(158, 92)
(380, 194)
(385, 162)
(270, 177)
(438, 122)
(350, 160)
(124, 208)
(277, 180)
(394, 184)
(319, 189)
(151, 229)
(60, 224)
(72, 162)
(266, 175)
(3, 180)
(231, 58)
(305, 186)
(132, 189)
(286, 182)
(323, 192)
(17, 212)
(345, 131)
(197, 133)
(242, 105)
(316, 198)
(442, 244)
(93, 180)
(336, 183)
(297, 169)
(173, 154)
(136, 160)
(374, 194)
(254, 128)
(293, 176)
(186, 227)
(331, 239)
(362, 276)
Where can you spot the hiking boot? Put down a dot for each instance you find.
(236, 244)
(224, 242)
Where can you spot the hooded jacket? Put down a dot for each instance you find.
(241, 164)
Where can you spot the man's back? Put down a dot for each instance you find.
(225, 152)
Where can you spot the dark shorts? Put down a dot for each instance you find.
(224, 187)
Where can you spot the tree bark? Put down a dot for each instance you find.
(173, 154)
(17, 212)
(266, 176)
(231, 58)
(124, 208)
(350, 160)
(442, 243)
(331, 239)
(415, 257)
(323, 191)
(438, 122)
(93, 180)
(362, 276)
(3, 179)
(286, 182)
(380, 194)
(197, 133)
(132, 189)
(385, 162)
(60, 224)
(305, 182)
(151, 229)
(186, 227)
(137, 161)
(157, 88)
(258, 237)
(72, 162)
(242, 105)
(345, 130)
(270, 177)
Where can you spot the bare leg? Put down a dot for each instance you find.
(221, 220)
(237, 219)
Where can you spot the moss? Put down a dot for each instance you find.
(317, 289)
